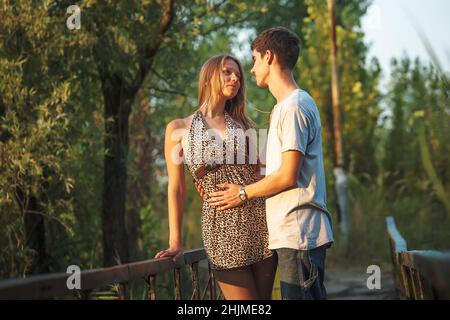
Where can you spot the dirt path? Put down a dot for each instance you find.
(352, 285)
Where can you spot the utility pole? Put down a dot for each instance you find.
(339, 171)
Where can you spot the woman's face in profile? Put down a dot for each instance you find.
(231, 78)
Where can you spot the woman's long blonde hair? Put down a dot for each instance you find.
(210, 88)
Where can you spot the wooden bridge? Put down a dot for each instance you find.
(55, 285)
(417, 275)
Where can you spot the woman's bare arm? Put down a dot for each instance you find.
(176, 190)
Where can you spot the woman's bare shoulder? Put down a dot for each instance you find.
(180, 123)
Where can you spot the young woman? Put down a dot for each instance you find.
(236, 240)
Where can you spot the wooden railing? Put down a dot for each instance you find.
(49, 286)
(419, 275)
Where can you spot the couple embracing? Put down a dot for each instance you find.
(251, 224)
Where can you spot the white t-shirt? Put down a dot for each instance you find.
(298, 218)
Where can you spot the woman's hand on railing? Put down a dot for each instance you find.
(172, 251)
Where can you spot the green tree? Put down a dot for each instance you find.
(418, 153)
(129, 38)
(35, 112)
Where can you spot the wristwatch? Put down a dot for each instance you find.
(242, 194)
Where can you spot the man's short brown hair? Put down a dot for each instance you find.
(280, 41)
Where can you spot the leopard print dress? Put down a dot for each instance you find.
(234, 237)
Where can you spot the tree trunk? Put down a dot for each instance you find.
(134, 234)
(117, 110)
(118, 97)
(142, 145)
(34, 231)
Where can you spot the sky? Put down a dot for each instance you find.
(389, 28)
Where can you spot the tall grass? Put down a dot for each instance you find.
(419, 217)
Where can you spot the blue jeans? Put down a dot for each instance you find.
(302, 273)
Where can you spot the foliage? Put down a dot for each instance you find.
(36, 109)
(52, 123)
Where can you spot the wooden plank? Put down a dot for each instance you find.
(212, 284)
(93, 279)
(177, 283)
(398, 241)
(415, 285)
(139, 270)
(196, 255)
(51, 285)
(397, 244)
(434, 268)
(424, 274)
(405, 283)
(203, 296)
(142, 269)
(36, 287)
(151, 282)
(420, 285)
(195, 282)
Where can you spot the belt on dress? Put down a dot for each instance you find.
(204, 169)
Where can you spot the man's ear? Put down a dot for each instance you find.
(269, 56)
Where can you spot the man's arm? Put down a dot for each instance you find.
(295, 131)
(282, 179)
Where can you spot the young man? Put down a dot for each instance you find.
(298, 221)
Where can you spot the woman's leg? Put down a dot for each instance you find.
(237, 284)
(264, 275)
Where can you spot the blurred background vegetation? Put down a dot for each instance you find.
(83, 112)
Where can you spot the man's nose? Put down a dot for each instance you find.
(252, 71)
